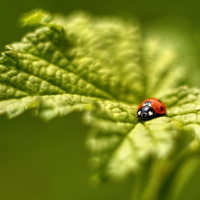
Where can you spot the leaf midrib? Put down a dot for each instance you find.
(102, 90)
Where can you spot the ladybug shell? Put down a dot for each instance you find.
(155, 106)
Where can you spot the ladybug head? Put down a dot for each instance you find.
(145, 112)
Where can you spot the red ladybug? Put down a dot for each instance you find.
(151, 108)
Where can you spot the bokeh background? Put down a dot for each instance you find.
(48, 160)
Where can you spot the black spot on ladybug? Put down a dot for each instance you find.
(161, 108)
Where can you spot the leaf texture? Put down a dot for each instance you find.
(104, 67)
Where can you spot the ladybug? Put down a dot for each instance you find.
(151, 108)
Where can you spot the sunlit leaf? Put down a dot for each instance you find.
(103, 67)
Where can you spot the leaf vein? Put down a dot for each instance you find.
(108, 95)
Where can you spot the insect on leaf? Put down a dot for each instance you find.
(102, 66)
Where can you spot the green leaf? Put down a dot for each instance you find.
(103, 66)
(35, 18)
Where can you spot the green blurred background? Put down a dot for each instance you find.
(47, 160)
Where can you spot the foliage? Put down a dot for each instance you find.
(103, 67)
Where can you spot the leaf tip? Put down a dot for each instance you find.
(35, 17)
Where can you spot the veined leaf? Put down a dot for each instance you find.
(104, 67)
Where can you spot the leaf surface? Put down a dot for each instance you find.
(104, 67)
